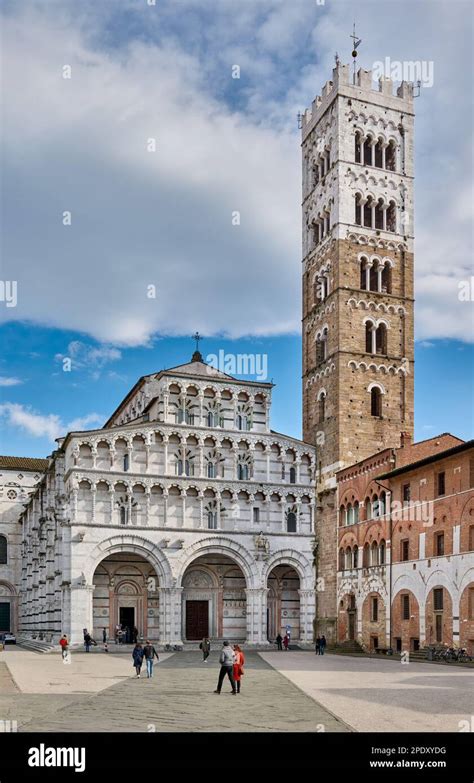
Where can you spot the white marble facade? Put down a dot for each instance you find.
(184, 515)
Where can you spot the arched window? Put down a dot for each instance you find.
(368, 212)
(390, 156)
(382, 504)
(366, 556)
(350, 514)
(123, 515)
(379, 210)
(242, 422)
(375, 507)
(355, 555)
(357, 147)
(212, 520)
(348, 558)
(292, 475)
(342, 515)
(126, 462)
(382, 552)
(374, 550)
(363, 274)
(392, 217)
(368, 336)
(368, 509)
(3, 550)
(358, 210)
(386, 279)
(378, 154)
(375, 402)
(322, 407)
(368, 151)
(211, 470)
(381, 339)
(341, 560)
(291, 522)
(242, 472)
(356, 512)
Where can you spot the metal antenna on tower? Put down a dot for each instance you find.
(355, 44)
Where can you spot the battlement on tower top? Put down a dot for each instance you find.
(342, 83)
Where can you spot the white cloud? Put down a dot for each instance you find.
(4, 381)
(44, 426)
(90, 357)
(164, 218)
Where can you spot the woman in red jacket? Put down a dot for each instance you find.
(238, 670)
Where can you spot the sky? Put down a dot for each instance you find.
(120, 187)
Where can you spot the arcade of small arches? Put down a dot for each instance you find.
(217, 594)
(375, 150)
(202, 405)
(154, 504)
(376, 213)
(177, 453)
(375, 273)
(373, 507)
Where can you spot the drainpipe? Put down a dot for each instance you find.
(390, 528)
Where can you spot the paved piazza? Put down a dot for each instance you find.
(294, 691)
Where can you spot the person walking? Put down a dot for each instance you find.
(238, 668)
(137, 655)
(279, 642)
(149, 653)
(87, 641)
(205, 646)
(286, 642)
(104, 635)
(322, 645)
(64, 646)
(134, 635)
(226, 660)
(318, 646)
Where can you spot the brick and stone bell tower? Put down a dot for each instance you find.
(357, 143)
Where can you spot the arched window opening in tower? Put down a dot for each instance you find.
(291, 522)
(392, 217)
(390, 156)
(3, 550)
(322, 407)
(368, 151)
(358, 147)
(381, 340)
(376, 402)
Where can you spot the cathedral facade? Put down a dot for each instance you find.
(184, 516)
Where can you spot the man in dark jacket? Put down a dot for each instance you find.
(205, 646)
(226, 660)
(279, 641)
(149, 653)
(322, 645)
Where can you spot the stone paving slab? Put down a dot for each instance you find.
(380, 695)
(180, 698)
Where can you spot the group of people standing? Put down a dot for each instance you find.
(320, 645)
(283, 642)
(232, 661)
(145, 653)
(125, 635)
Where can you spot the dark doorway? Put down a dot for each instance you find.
(4, 617)
(197, 619)
(127, 621)
(351, 613)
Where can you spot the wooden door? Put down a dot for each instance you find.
(197, 619)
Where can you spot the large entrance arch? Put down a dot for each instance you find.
(126, 593)
(283, 611)
(214, 599)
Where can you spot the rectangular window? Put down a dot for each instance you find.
(438, 599)
(405, 549)
(405, 607)
(126, 462)
(406, 493)
(439, 544)
(375, 610)
(398, 644)
(441, 483)
(256, 515)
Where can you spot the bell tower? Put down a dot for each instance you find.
(357, 155)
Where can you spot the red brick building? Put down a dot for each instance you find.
(405, 540)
